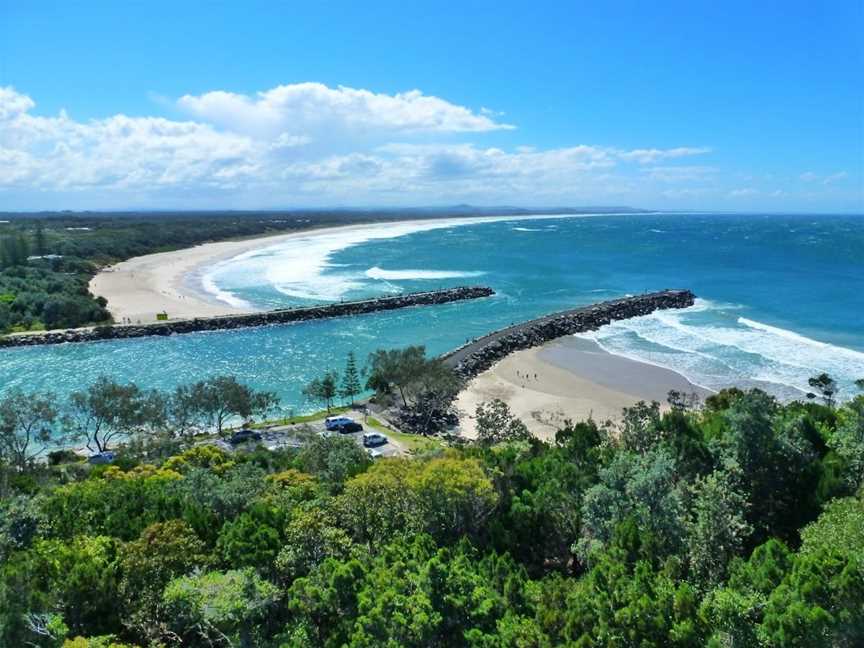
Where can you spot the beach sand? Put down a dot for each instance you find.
(570, 378)
(139, 288)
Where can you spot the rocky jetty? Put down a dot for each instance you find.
(477, 356)
(266, 318)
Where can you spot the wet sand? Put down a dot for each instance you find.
(570, 378)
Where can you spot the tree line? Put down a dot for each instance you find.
(421, 388)
(47, 260)
(734, 522)
(107, 412)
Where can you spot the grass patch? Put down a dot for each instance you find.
(412, 442)
(304, 418)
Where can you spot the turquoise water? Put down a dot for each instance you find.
(781, 298)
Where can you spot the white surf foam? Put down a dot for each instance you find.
(379, 273)
(527, 229)
(714, 348)
(209, 284)
(297, 267)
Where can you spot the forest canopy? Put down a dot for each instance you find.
(734, 523)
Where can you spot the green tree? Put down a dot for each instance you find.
(310, 537)
(215, 606)
(642, 488)
(211, 403)
(641, 428)
(333, 460)
(323, 390)
(165, 550)
(624, 599)
(717, 529)
(847, 441)
(446, 498)
(350, 379)
(77, 579)
(391, 369)
(826, 386)
(107, 410)
(252, 539)
(26, 423)
(39, 243)
(496, 423)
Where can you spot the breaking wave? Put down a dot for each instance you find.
(380, 273)
(711, 347)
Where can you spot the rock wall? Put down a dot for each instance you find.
(225, 322)
(477, 356)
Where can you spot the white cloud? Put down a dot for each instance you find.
(649, 156)
(307, 144)
(315, 108)
(808, 176)
(835, 177)
(744, 192)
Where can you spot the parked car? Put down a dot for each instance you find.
(373, 453)
(350, 426)
(101, 458)
(371, 439)
(244, 436)
(333, 422)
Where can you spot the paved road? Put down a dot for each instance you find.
(292, 436)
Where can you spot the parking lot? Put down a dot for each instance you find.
(295, 436)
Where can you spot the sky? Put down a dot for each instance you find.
(695, 104)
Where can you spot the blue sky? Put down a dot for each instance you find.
(676, 105)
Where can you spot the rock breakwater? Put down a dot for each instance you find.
(265, 318)
(475, 357)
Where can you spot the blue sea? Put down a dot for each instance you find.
(781, 297)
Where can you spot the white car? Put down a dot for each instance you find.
(333, 422)
(371, 439)
(373, 453)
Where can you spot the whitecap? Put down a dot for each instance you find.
(297, 267)
(209, 284)
(395, 275)
(711, 348)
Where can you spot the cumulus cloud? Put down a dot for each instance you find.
(650, 156)
(315, 108)
(309, 144)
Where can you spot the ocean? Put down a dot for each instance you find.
(780, 298)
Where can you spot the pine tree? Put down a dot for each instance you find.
(350, 379)
(39, 239)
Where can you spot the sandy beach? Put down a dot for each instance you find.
(139, 288)
(569, 378)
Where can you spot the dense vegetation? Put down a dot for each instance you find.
(737, 523)
(47, 260)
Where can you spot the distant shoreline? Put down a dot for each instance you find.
(169, 282)
(139, 288)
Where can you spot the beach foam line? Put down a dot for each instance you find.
(210, 286)
(379, 273)
(295, 267)
(712, 352)
(801, 339)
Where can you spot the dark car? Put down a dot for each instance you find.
(101, 458)
(352, 426)
(244, 436)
